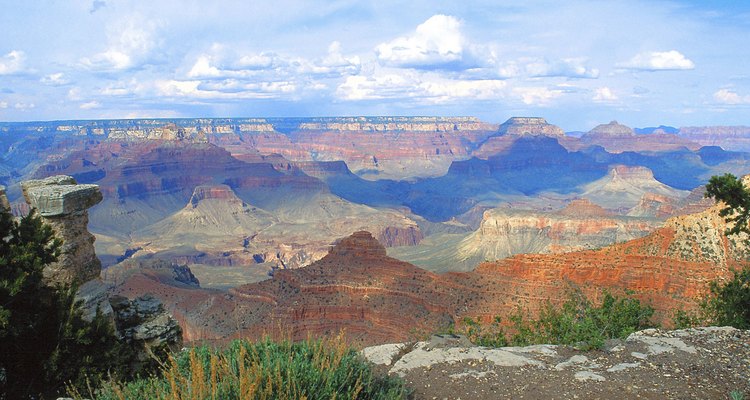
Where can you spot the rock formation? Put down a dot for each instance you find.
(580, 225)
(63, 204)
(618, 138)
(624, 187)
(529, 126)
(735, 138)
(4, 204)
(144, 324)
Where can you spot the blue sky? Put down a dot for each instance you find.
(576, 63)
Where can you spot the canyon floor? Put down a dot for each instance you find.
(700, 363)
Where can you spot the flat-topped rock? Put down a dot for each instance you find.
(57, 196)
(63, 205)
(530, 126)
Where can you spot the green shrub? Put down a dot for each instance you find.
(728, 304)
(577, 322)
(44, 341)
(312, 369)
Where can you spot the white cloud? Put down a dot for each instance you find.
(56, 79)
(24, 106)
(91, 105)
(730, 97)
(227, 89)
(130, 43)
(537, 95)
(659, 61)
(569, 67)
(604, 95)
(3, 104)
(436, 43)
(216, 64)
(423, 87)
(12, 62)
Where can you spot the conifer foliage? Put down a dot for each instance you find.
(45, 343)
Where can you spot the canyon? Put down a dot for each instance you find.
(385, 226)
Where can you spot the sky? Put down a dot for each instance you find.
(576, 63)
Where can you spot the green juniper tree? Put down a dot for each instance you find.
(45, 343)
(729, 303)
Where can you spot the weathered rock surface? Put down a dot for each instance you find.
(624, 187)
(736, 138)
(377, 298)
(618, 138)
(529, 126)
(692, 363)
(144, 324)
(4, 203)
(580, 225)
(63, 205)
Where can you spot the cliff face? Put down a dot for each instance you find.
(380, 299)
(63, 204)
(618, 138)
(581, 225)
(735, 138)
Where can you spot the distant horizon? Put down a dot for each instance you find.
(645, 63)
(51, 121)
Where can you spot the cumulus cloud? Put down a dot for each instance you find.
(56, 79)
(436, 43)
(659, 61)
(130, 43)
(427, 88)
(3, 104)
(569, 67)
(12, 62)
(731, 97)
(223, 90)
(90, 105)
(216, 64)
(539, 96)
(604, 95)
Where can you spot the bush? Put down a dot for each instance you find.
(578, 322)
(729, 304)
(312, 369)
(44, 341)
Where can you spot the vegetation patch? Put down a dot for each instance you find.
(311, 369)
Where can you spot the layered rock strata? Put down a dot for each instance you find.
(63, 205)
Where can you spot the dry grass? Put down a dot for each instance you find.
(312, 369)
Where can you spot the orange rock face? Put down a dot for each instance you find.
(378, 299)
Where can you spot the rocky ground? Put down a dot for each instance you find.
(701, 363)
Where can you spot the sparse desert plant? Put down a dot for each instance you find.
(311, 369)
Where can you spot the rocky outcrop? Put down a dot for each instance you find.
(63, 205)
(735, 138)
(612, 129)
(143, 324)
(706, 363)
(381, 124)
(4, 203)
(529, 126)
(618, 138)
(624, 187)
(580, 225)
